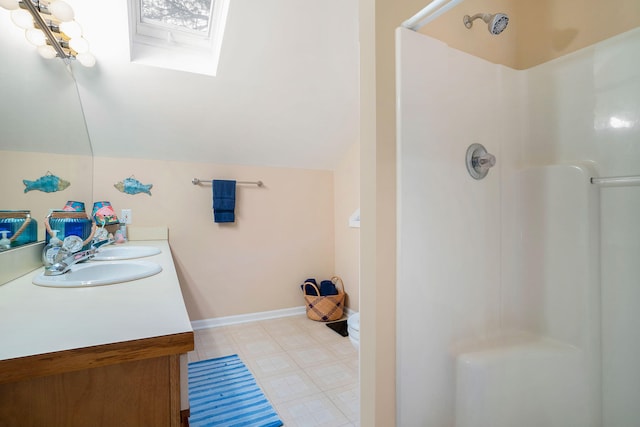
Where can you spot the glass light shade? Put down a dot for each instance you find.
(35, 36)
(9, 4)
(61, 10)
(79, 44)
(22, 18)
(71, 29)
(47, 51)
(86, 59)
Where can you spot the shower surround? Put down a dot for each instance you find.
(516, 293)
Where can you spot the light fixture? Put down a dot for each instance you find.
(22, 18)
(61, 11)
(9, 4)
(71, 29)
(50, 26)
(36, 37)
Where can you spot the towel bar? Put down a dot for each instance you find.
(617, 181)
(197, 181)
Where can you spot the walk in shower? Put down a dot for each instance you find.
(518, 293)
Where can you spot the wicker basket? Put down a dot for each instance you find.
(325, 308)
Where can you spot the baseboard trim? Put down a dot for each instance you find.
(244, 318)
(252, 317)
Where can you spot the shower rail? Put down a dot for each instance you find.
(429, 13)
(617, 181)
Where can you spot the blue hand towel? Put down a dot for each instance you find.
(307, 288)
(328, 288)
(224, 200)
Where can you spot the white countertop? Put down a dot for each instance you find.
(36, 320)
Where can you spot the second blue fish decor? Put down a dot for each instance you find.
(133, 186)
(48, 183)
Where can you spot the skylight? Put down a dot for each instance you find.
(183, 35)
(190, 15)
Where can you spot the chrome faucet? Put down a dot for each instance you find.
(67, 260)
(97, 243)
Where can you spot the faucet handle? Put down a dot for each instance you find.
(95, 244)
(72, 243)
(484, 161)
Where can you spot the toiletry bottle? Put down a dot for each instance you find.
(51, 250)
(121, 234)
(5, 243)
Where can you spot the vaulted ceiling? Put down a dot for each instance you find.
(286, 91)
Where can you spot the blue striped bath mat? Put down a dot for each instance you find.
(223, 393)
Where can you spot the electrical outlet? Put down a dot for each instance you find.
(126, 216)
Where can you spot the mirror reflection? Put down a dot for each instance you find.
(43, 131)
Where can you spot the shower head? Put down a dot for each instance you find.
(497, 22)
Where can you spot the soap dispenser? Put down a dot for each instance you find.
(51, 249)
(5, 243)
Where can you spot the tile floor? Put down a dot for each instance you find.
(308, 372)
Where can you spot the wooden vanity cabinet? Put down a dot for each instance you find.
(132, 383)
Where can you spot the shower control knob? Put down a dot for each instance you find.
(479, 161)
(486, 161)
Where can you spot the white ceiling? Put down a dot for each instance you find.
(286, 92)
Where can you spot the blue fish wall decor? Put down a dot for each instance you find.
(133, 186)
(48, 183)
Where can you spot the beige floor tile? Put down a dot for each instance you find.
(282, 326)
(211, 352)
(272, 364)
(260, 347)
(324, 334)
(347, 399)
(343, 348)
(312, 356)
(296, 341)
(311, 411)
(353, 363)
(246, 333)
(332, 375)
(193, 356)
(289, 386)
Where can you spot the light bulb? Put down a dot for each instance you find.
(9, 4)
(71, 29)
(61, 10)
(35, 36)
(79, 44)
(47, 51)
(86, 59)
(22, 18)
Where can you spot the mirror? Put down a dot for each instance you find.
(42, 128)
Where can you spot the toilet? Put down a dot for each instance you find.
(353, 327)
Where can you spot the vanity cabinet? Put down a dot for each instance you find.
(123, 384)
(92, 357)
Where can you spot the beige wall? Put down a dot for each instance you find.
(501, 49)
(17, 165)
(552, 28)
(284, 232)
(347, 239)
(378, 21)
(538, 31)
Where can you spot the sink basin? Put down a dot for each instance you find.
(111, 253)
(97, 274)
